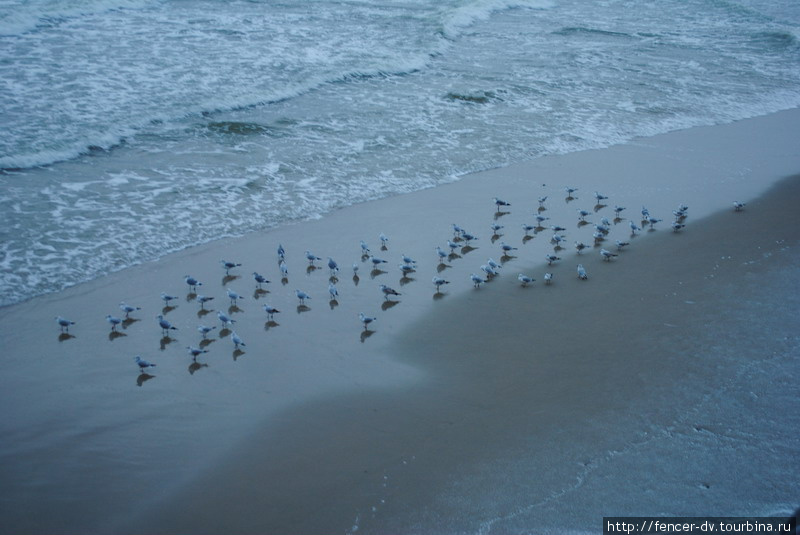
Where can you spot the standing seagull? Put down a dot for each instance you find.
(64, 323)
(203, 299)
(192, 282)
(311, 257)
(195, 352)
(234, 297)
(260, 279)
(438, 281)
(333, 266)
(582, 272)
(476, 280)
(281, 252)
(524, 279)
(500, 202)
(224, 319)
(383, 239)
(205, 330)
(143, 364)
(738, 206)
(271, 311)
(548, 278)
(114, 321)
(387, 291)
(551, 258)
(607, 255)
(237, 341)
(506, 248)
(228, 266)
(165, 325)
(127, 309)
(366, 320)
(302, 296)
(167, 298)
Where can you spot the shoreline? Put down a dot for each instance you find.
(165, 435)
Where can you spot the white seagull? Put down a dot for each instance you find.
(582, 272)
(143, 364)
(366, 320)
(524, 279)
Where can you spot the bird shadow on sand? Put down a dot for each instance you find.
(113, 335)
(237, 353)
(143, 378)
(271, 324)
(165, 341)
(388, 303)
(194, 366)
(303, 308)
(366, 333)
(63, 337)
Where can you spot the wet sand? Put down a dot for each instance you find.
(493, 410)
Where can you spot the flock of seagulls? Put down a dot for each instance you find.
(460, 242)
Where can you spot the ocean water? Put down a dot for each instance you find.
(133, 128)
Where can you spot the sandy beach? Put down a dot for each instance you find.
(665, 384)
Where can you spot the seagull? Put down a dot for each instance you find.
(580, 246)
(496, 227)
(541, 219)
(557, 240)
(127, 309)
(599, 196)
(541, 200)
(604, 229)
(494, 265)
(333, 291)
(260, 279)
(387, 291)
(500, 202)
(194, 352)
(302, 296)
(524, 279)
(489, 271)
(366, 320)
(202, 299)
(438, 281)
(618, 210)
(114, 321)
(527, 228)
(582, 214)
(605, 222)
(237, 341)
(476, 280)
(233, 296)
(634, 227)
(205, 330)
(441, 254)
(332, 265)
(228, 266)
(165, 325)
(311, 257)
(582, 272)
(270, 310)
(468, 237)
(143, 364)
(645, 213)
(452, 245)
(506, 248)
(376, 261)
(738, 206)
(652, 221)
(457, 231)
(598, 236)
(548, 278)
(621, 244)
(281, 252)
(167, 298)
(677, 226)
(383, 239)
(407, 259)
(226, 321)
(570, 191)
(551, 258)
(557, 228)
(192, 282)
(607, 255)
(364, 248)
(406, 269)
(284, 269)
(355, 269)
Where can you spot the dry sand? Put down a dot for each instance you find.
(665, 384)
